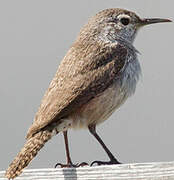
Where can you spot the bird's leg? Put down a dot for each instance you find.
(69, 162)
(113, 160)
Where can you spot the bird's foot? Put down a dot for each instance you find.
(111, 162)
(71, 165)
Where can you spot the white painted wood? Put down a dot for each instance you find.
(143, 171)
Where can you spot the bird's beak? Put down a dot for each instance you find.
(144, 22)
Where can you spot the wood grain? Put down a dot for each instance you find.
(139, 171)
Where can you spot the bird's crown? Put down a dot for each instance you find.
(113, 24)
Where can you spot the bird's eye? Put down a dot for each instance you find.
(125, 21)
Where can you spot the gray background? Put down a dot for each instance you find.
(34, 37)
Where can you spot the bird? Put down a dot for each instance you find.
(97, 75)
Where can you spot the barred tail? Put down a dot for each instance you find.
(27, 153)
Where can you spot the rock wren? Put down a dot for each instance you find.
(96, 76)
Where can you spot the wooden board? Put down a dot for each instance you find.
(139, 171)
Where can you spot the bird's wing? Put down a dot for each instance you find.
(79, 78)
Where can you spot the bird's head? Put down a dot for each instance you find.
(116, 24)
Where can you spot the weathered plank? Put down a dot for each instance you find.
(139, 171)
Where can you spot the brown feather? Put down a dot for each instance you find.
(77, 81)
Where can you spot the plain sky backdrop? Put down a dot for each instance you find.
(34, 37)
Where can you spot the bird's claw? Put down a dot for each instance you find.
(71, 165)
(82, 164)
(99, 163)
